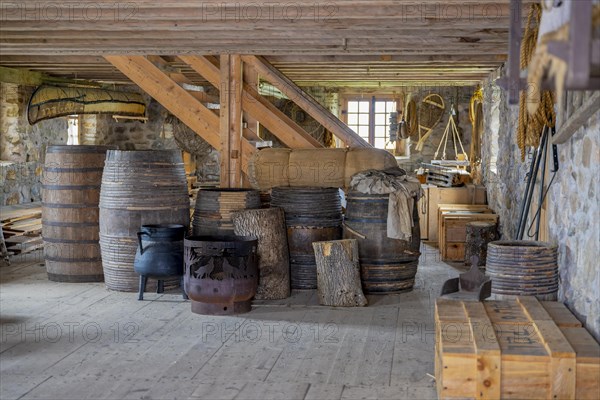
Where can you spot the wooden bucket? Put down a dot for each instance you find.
(138, 188)
(523, 268)
(70, 193)
(212, 213)
(312, 214)
(386, 265)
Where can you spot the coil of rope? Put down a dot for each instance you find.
(530, 127)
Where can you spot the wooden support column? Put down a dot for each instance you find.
(286, 130)
(251, 79)
(231, 120)
(175, 99)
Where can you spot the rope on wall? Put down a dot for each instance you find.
(476, 118)
(530, 127)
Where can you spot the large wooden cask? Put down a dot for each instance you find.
(70, 193)
(386, 265)
(312, 214)
(138, 188)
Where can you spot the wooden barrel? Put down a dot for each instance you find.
(523, 268)
(312, 214)
(386, 265)
(70, 193)
(212, 213)
(138, 188)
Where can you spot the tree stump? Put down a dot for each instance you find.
(338, 273)
(268, 226)
(479, 234)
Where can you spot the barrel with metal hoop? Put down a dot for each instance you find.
(312, 214)
(70, 194)
(523, 268)
(386, 265)
(142, 187)
(212, 212)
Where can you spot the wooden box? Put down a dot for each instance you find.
(469, 194)
(520, 349)
(453, 228)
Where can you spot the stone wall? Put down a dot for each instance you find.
(573, 202)
(460, 97)
(573, 215)
(162, 131)
(503, 172)
(22, 146)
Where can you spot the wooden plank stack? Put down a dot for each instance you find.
(22, 227)
(519, 349)
(452, 227)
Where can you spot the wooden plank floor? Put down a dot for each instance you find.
(80, 341)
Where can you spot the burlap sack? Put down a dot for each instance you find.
(314, 167)
(317, 167)
(361, 159)
(268, 168)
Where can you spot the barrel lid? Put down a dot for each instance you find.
(70, 149)
(173, 156)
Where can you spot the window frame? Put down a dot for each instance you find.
(372, 100)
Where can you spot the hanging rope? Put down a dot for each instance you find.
(476, 118)
(451, 126)
(529, 127)
(410, 116)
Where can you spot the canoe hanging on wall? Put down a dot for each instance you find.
(55, 101)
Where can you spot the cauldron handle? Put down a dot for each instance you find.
(139, 235)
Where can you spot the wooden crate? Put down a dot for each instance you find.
(469, 194)
(453, 230)
(423, 205)
(520, 349)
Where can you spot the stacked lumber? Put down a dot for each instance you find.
(522, 349)
(443, 178)
(22, 227)
(452, 227)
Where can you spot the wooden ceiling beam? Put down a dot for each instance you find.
(174, 98)
(282, 126)
(243, 10)
(306, 102)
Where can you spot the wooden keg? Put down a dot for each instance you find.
(523, 268)
(312, 214)
(70, 194)
(212, 213)
(386, 265)
(138, 188)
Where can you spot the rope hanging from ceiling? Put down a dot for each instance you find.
(476, 118)
(530, 127)
(411, 117)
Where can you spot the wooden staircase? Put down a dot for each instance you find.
(239, 101)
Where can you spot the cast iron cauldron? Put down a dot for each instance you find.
(221, 273)
(159, 254)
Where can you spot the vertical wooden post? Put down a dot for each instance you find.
(235, 121)
(231, 120)
(251, 78)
